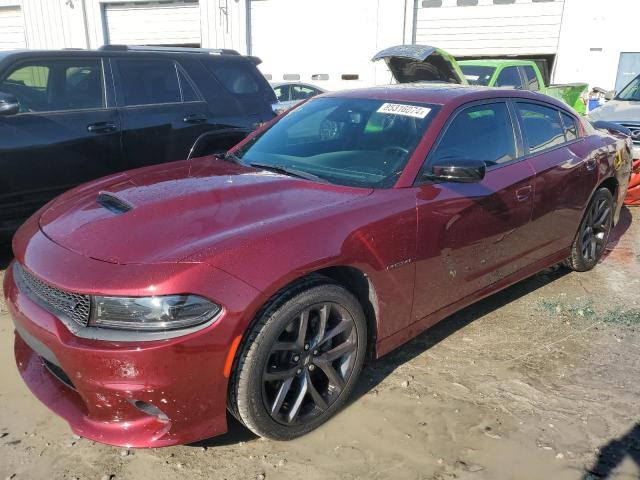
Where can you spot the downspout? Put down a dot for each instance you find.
(414, 22)
(248, 25)
(85, 23)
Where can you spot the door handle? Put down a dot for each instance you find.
(523, 193)
(195, 118)
(102, 127)
(590, 164)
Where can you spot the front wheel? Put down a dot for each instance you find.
(300, 361)
(593, 234)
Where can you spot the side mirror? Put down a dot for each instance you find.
(9, 104)
(610, 95)
(461, 171)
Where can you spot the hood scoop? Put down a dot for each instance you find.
(112, 203)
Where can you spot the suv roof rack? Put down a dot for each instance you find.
(147, 48)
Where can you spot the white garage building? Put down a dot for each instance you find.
(330, 42)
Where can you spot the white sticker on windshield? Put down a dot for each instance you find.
(406, 110)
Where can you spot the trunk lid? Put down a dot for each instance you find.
(421, 63)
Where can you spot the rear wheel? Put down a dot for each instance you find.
(593, 234)
(300, 362)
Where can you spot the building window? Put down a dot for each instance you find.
(350, 76)
(543, 1)
(291, 76)
(431, 3)
(268, 76)
(503, 2)
(467, 3)
(320, 76)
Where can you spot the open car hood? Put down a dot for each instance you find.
(421, 63)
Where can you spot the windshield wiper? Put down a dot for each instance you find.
(289, 171)
(229, 157)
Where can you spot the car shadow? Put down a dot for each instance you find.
(614, 453)
(377, 370)
(624, 222)
(5, 255)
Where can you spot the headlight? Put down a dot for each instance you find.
(168, 312)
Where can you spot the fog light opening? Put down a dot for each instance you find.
(149, 409)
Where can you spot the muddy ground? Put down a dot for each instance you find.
(537, 382)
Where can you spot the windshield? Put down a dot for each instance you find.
(345, 141)
(631, 92)
(477, 74)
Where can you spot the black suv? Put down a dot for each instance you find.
(70, 116)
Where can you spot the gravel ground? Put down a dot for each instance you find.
(537, 382)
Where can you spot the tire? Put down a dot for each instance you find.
(285, 384)
(593, 233)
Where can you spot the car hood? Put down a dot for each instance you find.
(421, 63)
(169, 212)
(617, 111)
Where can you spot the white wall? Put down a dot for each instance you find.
(520, 28)
(593, 35)
(332, 37)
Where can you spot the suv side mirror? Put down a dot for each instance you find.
(9, 104)
(461, 171)
(610, 95)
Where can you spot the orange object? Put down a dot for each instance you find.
(633, 191)
(231, 355)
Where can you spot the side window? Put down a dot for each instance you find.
(56, 85)
(491, 123)
(541, 125)
(532, 79)
(509, 77)
(570, 127)
(148, 82)
(282, 93)
(300, 92)
(236, 76)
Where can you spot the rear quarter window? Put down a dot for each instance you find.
(237, 76)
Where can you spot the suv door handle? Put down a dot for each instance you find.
(195, 118)
(523, 193)
(102, 127)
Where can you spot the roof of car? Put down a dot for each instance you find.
(495, 62)
(440, 93)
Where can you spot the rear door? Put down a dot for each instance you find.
(564, 174)
(67, 131)
(471, 235)
(162, 112)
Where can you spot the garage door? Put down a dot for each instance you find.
(489, 27)
(11, 28)
(153, 23)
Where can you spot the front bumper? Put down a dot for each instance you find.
(134, 394)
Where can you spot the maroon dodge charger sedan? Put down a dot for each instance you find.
(148, 303)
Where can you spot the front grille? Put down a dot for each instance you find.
(635, 132)
(75, 306)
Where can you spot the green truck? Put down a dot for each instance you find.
(525, 75)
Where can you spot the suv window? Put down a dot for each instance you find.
(532, 79)
(541, 125)
(509, 77)
(492, 123)
(235, 76)
(148, 82)
(570, 127)
(56, 85)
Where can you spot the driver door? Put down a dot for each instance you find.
(472, 235)
(66, 132)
